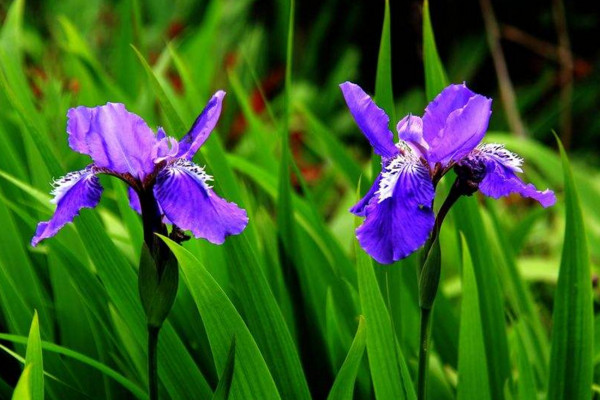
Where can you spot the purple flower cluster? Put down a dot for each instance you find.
(121, 144)
(398, 209)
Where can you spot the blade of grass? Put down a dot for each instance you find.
(224, 386)
(343, 386)
(391, 379)
(435, 75)
(222, 321)
(473, 381)
(34, 359)
(23, 388)
(51, 347)
(571, 366)
(468, 220)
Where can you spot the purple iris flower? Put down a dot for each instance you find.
(156, 167)
(399, 206)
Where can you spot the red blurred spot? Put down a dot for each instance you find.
(74, 85)
(175, 28)
(582, 68)
(175, 81)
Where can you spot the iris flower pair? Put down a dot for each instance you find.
(398, 209)
(121, 144)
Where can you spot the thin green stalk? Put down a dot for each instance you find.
(423, 353)
(429, 276)
(153, 362)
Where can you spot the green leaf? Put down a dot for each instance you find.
(571, 354)
(157, 290)
(23, 388)
(34, 359)
(383, 82)
(473, 383)
(172, 116)
(383, 79)
(468, 220)
(222, 322)
(265, 320)
(343, 386)
(289, 247)
(391, 379)
(526, 382)
(429, 278)
(224, 386)
(51, 347)
(435, 75)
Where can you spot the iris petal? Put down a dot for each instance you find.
(371, 120)
(501, 179)
(359, 208)
(74, 191)
(134, 200)
(202, 127)
(454, 123)
(400, 218)
(410, 129)
(188, 201)
(116, 139)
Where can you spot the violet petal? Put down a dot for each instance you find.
(501, 178)
(202, 127)
(454, 123)
(72, 192)
(371, 120)
(116, 139)
(188, 201)
(359, 208)
(400, 219)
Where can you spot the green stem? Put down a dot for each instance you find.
(152, 362)
(423, 353)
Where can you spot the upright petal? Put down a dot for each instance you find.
(400, 219)
(371, 120)
(454, 123)
(410, 129)
(501, 179)
(188, 201)
(72, 192)
(359, 209)
(203, 126)
(165, 149)
(116, 139)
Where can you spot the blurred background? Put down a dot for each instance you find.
(548, 50)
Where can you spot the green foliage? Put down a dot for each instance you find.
(293, 308)
(571, 366)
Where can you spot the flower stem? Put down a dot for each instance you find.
(429, 275)
(153, 362)
(423, 353)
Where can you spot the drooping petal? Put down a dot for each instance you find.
(410, 129)
(400, 217)
(454, 123)
(202, 127)
(116, 139)
(501, 179)
(134, 200)
(188, 201)
(371, 120)
(72, 192)
(359, 208)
